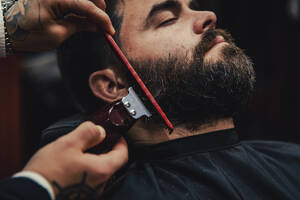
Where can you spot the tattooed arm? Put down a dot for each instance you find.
(37, 25)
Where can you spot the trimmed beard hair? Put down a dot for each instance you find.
(195, 92)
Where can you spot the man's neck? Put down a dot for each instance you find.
(141, 135)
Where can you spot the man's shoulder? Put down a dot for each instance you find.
(137, 182)
(61, 128)
(280, 147)
(275, 154)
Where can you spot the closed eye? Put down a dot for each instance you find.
(168, 22)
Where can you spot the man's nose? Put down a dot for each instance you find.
(204, 21)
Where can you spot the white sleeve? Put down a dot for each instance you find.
(38, 179)
(2, 34)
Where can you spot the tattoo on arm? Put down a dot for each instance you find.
(19, 19)
(13, 17)
(79, 191)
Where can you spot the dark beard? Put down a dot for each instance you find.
(196, 92)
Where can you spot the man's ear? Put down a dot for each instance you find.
(107, 85)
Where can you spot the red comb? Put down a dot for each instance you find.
(138, 79)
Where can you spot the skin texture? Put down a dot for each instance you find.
(38, 25)
(172, 31)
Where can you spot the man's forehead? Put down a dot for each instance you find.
(150, 1)
(143, 7)
(135, 14)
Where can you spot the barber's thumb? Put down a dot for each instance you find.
(88, 135)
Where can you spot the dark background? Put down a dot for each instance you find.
(269, 32)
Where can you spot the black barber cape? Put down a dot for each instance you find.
(210, 166)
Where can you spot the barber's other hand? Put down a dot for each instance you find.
(65, 161)
(37, 25)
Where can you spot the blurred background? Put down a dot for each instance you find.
(33, 97)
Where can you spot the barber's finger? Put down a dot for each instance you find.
(100, 3)
(90, 10)
(87, 135)
(116, 158)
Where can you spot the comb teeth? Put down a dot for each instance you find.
(139, 81)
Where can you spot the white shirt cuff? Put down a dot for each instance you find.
(2, 34)
(38, 179)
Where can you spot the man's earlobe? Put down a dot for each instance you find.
(107, 85)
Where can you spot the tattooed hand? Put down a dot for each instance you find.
(37, 25)
(73, 172)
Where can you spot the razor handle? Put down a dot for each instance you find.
(116, 120)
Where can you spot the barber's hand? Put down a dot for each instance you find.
(65, 161)
(37, 25)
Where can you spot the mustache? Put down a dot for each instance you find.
(208, 40)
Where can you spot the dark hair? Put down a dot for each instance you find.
(81, 55)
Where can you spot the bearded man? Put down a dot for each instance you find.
(201, 79)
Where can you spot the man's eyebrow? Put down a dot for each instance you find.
(166, 5)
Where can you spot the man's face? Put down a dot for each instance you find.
(195, 72)
(155, 29)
